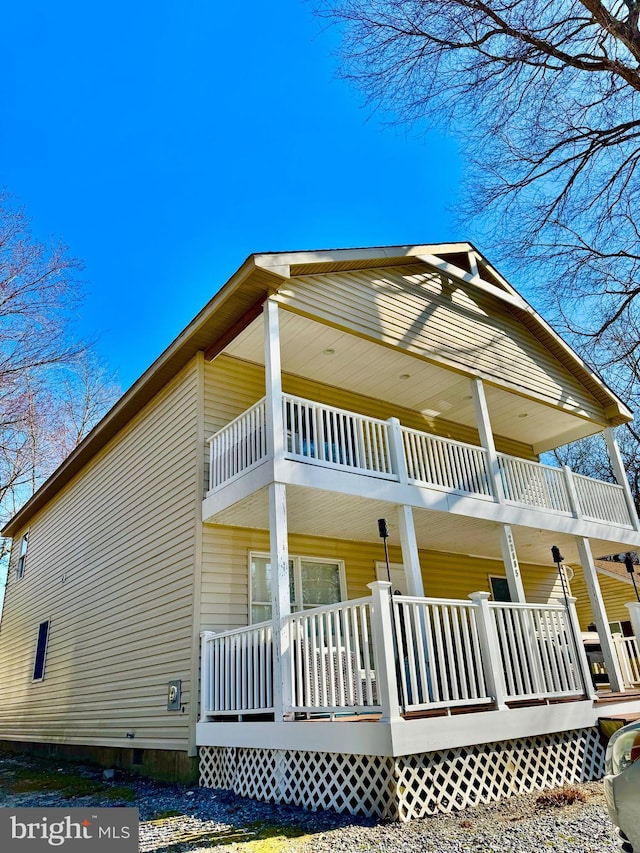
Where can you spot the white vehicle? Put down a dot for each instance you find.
(622, 784)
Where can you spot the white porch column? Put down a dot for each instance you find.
(273, 382)
(486, 437)
(620, 474)
(406, 527)
(510, 559)
(279, 547)
(409, 546)
(600, 615)
(280, 598)
(634, 615)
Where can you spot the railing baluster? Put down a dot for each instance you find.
(423, 663)
(463, 692)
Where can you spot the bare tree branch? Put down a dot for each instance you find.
(52, 391)
(544, 97)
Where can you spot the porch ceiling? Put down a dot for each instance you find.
(318, 513)
(327, 355)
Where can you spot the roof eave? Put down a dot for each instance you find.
(173, 359)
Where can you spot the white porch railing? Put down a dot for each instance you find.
(323, 435)
(334, 437)
(628, 653)
(450, 464)
(433, 653)
(538, 650)
(239, 446)
(332, 658)
(237, 671)
(440, 659)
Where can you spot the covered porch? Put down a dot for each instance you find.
(387, 656)
(402, 706)
(438, 559)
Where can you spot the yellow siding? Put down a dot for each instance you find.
(110, 563)
(616, 593)
(233, 385)
(446, 321)
(224, 602)
(456, 575)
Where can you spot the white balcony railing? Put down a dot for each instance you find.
(601, 501)
(532, 484)
(239, 446)
(419, 653)
(326, 436)
(449, 464)
(439, 653)
(538, 650)
(628, 653)
(336, 438)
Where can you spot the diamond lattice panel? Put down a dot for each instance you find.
(408, 787)
(456, 778)
(357, 784)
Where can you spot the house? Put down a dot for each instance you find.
(205, 584)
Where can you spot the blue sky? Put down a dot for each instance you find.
(165, 142)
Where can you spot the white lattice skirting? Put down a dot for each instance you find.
(410, 786)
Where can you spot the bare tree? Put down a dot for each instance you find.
(51, 389)
(545, 97)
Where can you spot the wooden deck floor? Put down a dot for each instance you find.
(608, 696)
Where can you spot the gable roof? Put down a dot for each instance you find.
(239, 301)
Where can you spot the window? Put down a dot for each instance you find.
(499, 588)
(312, 583)
(24, 544)
(41, 651)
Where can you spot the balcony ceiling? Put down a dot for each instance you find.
(327, 355)
(318, 513)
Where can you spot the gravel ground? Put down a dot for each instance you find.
(178, 819)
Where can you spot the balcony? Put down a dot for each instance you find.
(343, 441)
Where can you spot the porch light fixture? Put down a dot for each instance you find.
(628, 564)
(557, 559)
(383, 532)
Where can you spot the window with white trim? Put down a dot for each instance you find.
(313, 582)
(22, 557)
(41, 651)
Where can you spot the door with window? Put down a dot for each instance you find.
(499, 588)
(313, 582)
